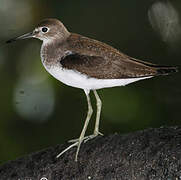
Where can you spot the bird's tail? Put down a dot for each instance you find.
(166, 70)
(157, 69)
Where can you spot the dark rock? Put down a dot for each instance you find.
(152, 154)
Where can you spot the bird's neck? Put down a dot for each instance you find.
(51, 52)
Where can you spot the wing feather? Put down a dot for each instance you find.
(99, 60)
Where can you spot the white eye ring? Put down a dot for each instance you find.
(44, 29)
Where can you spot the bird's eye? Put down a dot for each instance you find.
(44, 29)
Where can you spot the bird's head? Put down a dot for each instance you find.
(47, 31)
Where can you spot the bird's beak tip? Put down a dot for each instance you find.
(10, 41)
(25, 36)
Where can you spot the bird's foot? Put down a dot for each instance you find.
(77, 143)
(98, 133)
(86, 138)
(93, 136)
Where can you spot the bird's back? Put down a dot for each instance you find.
(99, 60)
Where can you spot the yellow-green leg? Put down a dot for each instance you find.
(96, 128)
(81, 138)
(99, 106)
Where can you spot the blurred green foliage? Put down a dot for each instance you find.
(122, 24)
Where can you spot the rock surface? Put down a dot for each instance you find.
(152, 154)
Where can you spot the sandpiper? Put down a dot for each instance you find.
(88, 64)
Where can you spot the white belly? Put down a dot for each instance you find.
(78, 80)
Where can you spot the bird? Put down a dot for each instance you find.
(87, 64)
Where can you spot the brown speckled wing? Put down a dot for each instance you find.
(100, 68)
(101, 61)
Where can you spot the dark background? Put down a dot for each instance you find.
(37, 111)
